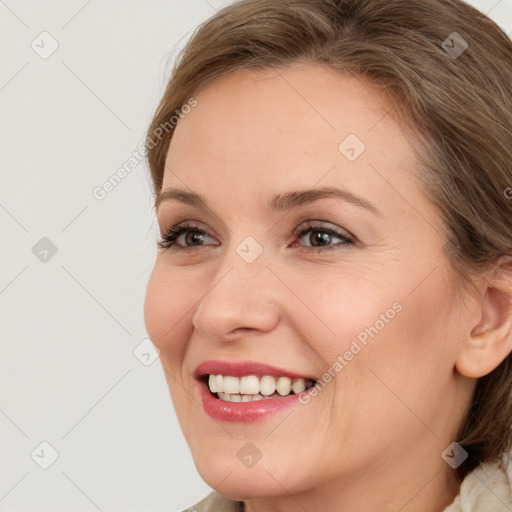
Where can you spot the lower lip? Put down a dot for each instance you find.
(244, 412)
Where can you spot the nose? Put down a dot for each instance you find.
(240, 297)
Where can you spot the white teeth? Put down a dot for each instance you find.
(250, 387)
(219, 383)
(231, 385)
(284, 386)
(212, 382)
(240, 398)
(267, 385)
(298, 386)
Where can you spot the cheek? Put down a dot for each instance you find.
(165, 311)
(404, 373)
(341, 310)
(357, 324)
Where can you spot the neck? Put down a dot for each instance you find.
(415, 488)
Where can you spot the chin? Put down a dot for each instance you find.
(223, 471)
(240, 484)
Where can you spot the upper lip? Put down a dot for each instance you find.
(243, 368)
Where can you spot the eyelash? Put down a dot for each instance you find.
(168, 240)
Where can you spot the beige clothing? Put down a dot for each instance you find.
(488, 488)
(216, 503)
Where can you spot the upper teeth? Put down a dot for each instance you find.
(252, 385)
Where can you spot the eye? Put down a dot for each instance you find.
(323, 236)
(186, 233)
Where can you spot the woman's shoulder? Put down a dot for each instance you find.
(214, 502)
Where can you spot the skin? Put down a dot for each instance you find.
(372, 438)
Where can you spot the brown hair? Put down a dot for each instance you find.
(456, 100)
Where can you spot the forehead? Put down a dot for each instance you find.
(258, 132)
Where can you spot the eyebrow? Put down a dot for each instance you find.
(279, 203)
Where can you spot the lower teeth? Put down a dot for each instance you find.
(247, 398)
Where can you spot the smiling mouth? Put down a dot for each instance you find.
(251, 388)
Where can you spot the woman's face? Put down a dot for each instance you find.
(353, 290)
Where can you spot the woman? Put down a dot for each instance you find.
(332, 296)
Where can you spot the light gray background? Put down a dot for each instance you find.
(69, 325)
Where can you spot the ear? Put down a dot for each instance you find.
(490, 339)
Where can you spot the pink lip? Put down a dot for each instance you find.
(243, 412)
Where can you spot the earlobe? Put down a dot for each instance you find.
(490, 340)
